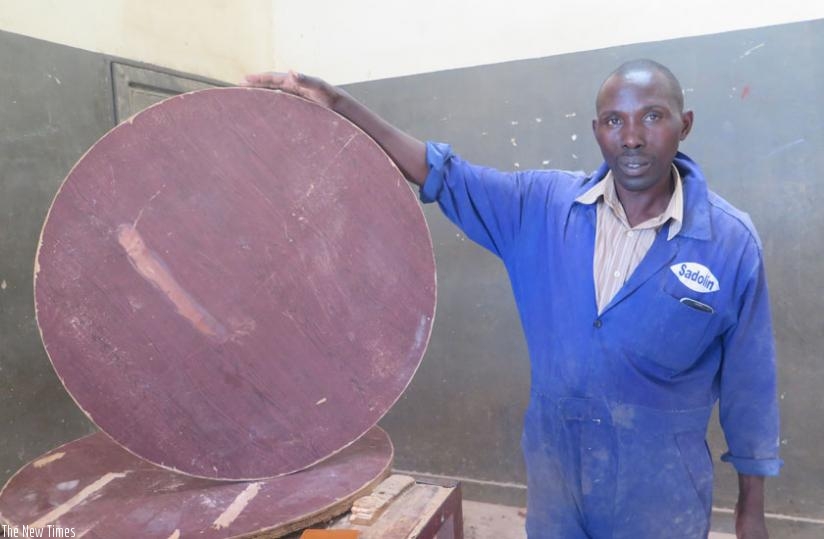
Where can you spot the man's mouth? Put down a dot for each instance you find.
(633, 165)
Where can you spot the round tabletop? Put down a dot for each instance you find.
(94, 487)
(235, 283)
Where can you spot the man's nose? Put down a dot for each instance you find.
(632, 136)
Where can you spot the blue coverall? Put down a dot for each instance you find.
(614, 435)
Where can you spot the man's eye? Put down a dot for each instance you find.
(612, 122)
(653, 116)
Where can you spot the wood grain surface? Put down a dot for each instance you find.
(235, 283)
(99, 490)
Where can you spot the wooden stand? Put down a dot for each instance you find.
(423, 511)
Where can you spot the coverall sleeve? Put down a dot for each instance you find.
(485, 203)
(748, 406)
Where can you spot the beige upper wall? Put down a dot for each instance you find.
(220, 39)
(356, 40)
(361, 40)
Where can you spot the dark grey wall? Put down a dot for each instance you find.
(758, 100)
(55, 103)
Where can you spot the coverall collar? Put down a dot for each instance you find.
(696, 222)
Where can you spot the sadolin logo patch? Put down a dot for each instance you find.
(696, 276)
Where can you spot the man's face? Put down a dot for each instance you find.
(638, 127)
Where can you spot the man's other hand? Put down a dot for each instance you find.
(750, 526)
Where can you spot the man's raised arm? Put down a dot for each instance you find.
(406, 151)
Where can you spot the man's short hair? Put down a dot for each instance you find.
(649, 66)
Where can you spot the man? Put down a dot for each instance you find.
(643, 300)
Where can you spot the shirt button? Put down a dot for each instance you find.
(598, 323)
(631, 233)
(617, 274)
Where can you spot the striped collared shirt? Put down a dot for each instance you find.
(619, 247)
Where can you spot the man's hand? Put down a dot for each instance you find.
(406, 151)
(750, 526)
(749, 511)
(311, 88)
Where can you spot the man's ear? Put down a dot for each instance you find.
(687, 119)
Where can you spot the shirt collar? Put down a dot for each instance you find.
(605, 190)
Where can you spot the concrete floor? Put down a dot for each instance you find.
(490, 521)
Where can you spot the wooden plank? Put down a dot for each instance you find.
(419, 513)
(242, 274)
(368, 508)
(98, 489)
(446, 520)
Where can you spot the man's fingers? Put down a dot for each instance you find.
(252, 79)
(265, 80)
(293, 82)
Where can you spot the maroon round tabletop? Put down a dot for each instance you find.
(95, 488)
(235, 283)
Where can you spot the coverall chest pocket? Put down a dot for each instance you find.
(678, 327)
